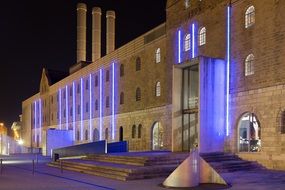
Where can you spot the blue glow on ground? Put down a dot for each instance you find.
(228, 66)
(90, 107)
(100, 103)
(81, 107)
(60, 109)
(66, 106)
(113, 101)
(179, 46)
(74, 107)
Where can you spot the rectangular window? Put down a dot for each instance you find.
(87, 85)
(87, 107)
(78, 109)
(107, 76)
(96, 80)
(78, 88)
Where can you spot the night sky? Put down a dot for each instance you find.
(37, 34)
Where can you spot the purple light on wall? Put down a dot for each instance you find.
(228, 66)
(40, 120)
(90, 107)
(179, 46)
(81, 107)
(193, 41)
(60, 122)
(113, 101)
(35, 127)
(100, 103)
(73, 110)
(66, 106)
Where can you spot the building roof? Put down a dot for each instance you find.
(55, 76)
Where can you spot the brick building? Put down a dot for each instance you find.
(211, 76)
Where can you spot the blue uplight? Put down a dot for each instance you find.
(179, 46)
(193, 41)
(90, 107)
(81, 106)
(40, 120)
(228, 66)
(74, 107)
(113, 101)
(100, 103)
(35, 127)
(60, 122)
(66, 106)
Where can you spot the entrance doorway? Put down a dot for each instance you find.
(249, 133)
(190, 100)
(157, 136)
(121, 137)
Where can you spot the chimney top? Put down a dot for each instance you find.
(96, 10)
(111, 13)
(82, 6)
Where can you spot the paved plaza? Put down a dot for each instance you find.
(17, 174)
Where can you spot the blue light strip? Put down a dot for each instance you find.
(60, 122)
(66, 106)
(81, 111)
(40, 120)
(100, 104)
(74, 108)
(35, 127)
(179, 46)
(113, 101)
(90, 107)
(228, 65)
(193, 41)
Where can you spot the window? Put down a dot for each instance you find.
(249, 65)
(107, 102)
(96, 105)
(139, 131)
(249, 17)
(78, 88)
(87, 85)
(64, 113)
(283, 122)
(187, 42)
(122, 98)
(138, 94)
(63, 91)
(96, 80)
(107, 76)
(70, 111)
(138, 64)
(86, 135)
(157, 89)
(78, 109)
(202, 36)
(157, 55)
(122, 70)
(134, 128)
(78, 136)
(86, 107)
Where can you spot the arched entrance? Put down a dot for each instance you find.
(157, 136)
(121, 137)
(95, 135)
(249, 133)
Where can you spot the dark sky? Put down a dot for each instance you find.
(37, 34)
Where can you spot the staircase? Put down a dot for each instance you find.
(125, 166)
(228, 163)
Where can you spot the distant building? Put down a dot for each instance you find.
(212, 76)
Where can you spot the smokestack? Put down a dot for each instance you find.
(81, 32)
(110, 41)
(96, 33)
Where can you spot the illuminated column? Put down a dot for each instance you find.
(66, 106)
(96, 33)
(228, 65)
(81, 32)
(110, 35)
(73, 110)
(81, 107)
(100, 103)
(113, 101)
(179, 46)
(90, 107)
(60, 121)
(193, 41)
(40, 120)
(35, 127)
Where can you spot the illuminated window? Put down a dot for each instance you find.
(134, 128)
(157, 89)
(249, 65)
(187, 42)
(157, 55)
(139, 131)
(138, 94)
(138, 64)
(202, 36)
(122, 70)
(249, 16)
(122, 98)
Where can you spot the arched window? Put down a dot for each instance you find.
(134, 128)
(139, 131)
(187, 42)
(106, 134)
(282, 122)
(122, 70)
(122, 98)
(250, 16)
(202, 36)
(86, 134)
(157, 89)
(249, 65)
(138, 94)
(78, 136)
(138, 64)
(157, 55)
